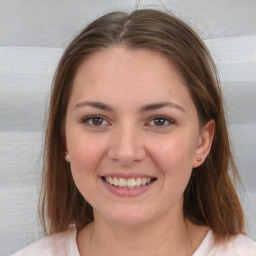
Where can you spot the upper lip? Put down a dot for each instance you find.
(127, 176)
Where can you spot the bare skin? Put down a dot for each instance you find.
(131, 116)
(118, 241)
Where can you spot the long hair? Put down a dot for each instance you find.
(210, 197)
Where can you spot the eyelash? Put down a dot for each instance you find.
(164, 118)
(89, 119)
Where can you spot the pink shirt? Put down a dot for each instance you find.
(64, 244)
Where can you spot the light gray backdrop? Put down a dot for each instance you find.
(32, 36)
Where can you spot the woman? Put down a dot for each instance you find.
(137, 151)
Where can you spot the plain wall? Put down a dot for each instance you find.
(33, 34)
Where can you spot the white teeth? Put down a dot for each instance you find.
(122, 183)
(131, 183)
(138, 181)
(111, 181)
(128, 183)
(115, 181)
(144, 181)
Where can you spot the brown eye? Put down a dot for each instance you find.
(96, 121)
(160, 121)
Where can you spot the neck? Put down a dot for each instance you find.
(161, 237)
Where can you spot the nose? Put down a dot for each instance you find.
(126, 146)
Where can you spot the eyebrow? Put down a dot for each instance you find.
(145, 108)
(159, 105)
(94, 104)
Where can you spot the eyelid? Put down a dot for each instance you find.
(168, 119)
(85, 120)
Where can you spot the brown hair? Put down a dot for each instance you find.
(210, 197)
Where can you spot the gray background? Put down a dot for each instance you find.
(33, 34)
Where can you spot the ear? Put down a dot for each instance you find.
(204, 143)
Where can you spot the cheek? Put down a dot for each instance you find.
(177, 147)
(85, 158)
(175, 155)
(86, 154)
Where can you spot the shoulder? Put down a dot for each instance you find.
(238, 245)
(58, 245)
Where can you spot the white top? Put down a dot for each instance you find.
(64, 244)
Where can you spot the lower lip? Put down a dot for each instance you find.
(127, 192)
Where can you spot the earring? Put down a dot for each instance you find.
(198, 159)
(67, 156)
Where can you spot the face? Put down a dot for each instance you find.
(133, 136)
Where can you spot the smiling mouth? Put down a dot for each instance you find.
(128, 183)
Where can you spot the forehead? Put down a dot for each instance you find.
(140, 63)
(129, 74)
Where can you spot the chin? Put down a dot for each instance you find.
(128, 218)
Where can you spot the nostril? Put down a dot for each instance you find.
(127, 155)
